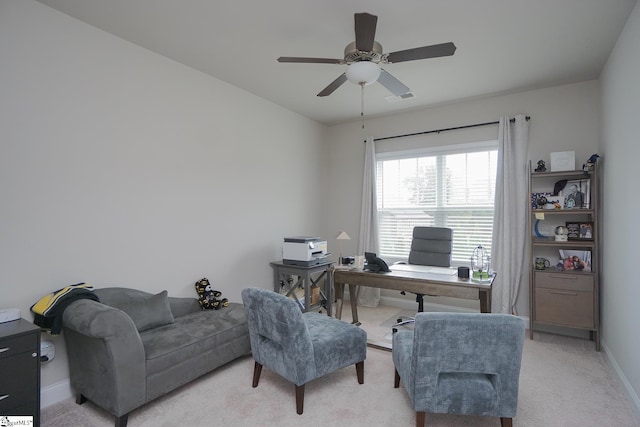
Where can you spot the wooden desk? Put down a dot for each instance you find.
(410, 281)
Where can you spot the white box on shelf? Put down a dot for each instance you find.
(563, 161)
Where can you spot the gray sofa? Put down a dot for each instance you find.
(133, 346)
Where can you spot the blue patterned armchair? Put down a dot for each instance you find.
(461, 363)
(299, 346)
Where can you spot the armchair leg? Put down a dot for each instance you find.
(257, 370)
(420, 301)
(420, 416)
(122, 420)
(506, 422)
(396, 380)
(360, 372)
(299, 399)
(80, 399)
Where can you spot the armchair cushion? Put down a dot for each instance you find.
(148, 312)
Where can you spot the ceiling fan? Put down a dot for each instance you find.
(364, 58)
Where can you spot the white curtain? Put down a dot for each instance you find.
(509, 249)
(368, 236)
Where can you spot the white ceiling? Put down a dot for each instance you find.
(502, 45)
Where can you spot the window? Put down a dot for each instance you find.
(442, 187)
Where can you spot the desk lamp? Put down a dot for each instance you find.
(342, 236)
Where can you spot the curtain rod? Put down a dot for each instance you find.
(444, 130)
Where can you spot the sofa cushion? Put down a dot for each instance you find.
(192, 335)
(148, 312)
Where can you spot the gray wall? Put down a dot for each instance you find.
(119, 167)
(562, 118)
(620, 147)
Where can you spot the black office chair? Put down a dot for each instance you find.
(430, 246)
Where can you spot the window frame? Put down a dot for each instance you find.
(463, 148)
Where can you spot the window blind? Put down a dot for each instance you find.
(439, 187)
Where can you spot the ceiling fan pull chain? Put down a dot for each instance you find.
(362, 104)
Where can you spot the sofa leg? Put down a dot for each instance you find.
(360, 372)
(396, 380)
(299, 399)
(506, 422)
(420, 419)
(121, 421)
(257, 370)
(80, 399)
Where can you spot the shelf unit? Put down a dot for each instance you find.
(565, 298)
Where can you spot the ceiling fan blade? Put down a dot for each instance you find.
(310, 60)
(365, 25)
(333, 85)
(394, 85)
(424, 52)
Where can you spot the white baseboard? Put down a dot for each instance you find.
(629, 391)
(54, 393)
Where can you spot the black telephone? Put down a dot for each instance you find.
(375, 264)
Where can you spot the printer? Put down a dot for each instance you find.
(304, 251)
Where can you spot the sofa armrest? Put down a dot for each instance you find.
(106, 356)
(183, 306)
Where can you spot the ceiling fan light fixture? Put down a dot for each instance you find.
(363, 72)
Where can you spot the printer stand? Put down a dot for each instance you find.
(307, 277)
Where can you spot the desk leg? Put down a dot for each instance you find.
(339, 288)
(329, 292)
(307, 291)
(353, 298)
(276, 280)
(485, 301)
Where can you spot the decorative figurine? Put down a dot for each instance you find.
(541, 166)
(541, 202)
(561, 233)
(591, 164)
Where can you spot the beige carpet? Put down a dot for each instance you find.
(564, 382)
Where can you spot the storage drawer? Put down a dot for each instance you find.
(19, 383)
(571, 282)
(564, 307)
(14, 345)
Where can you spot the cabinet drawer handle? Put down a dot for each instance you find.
(563, 293)
(563, 276)
(4, 396)
(2, 350)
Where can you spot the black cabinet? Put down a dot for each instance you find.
(20, 369)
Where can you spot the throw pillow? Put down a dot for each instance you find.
(149, 312)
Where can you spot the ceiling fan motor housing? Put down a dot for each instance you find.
(351, 54)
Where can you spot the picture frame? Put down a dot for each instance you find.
(573, 230)
(580, 230)
(576, 194)
(586, 230)
(573, 260)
